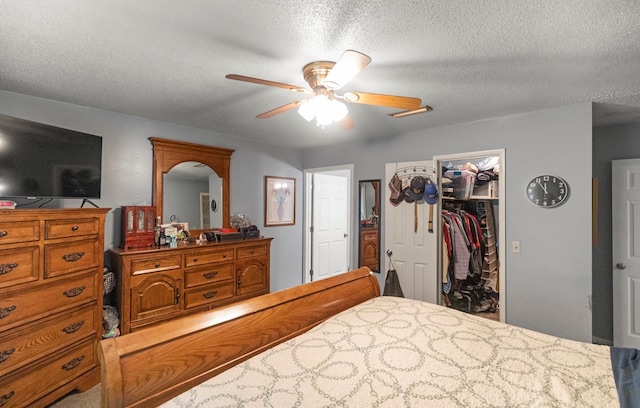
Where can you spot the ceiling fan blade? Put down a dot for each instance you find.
(266, 82)
(280, 109)
(393, 101)
(347, 123)
(348, 66)
(402, 114)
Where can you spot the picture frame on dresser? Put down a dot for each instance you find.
(279, 201)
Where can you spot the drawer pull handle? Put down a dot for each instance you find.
(6, 397)
(72, 257)
(73, 363)
(72, 328)
(210, 275)
(3, 234)
(157, 265)
(74, 292)
(75, 228)
(6, 311)
(195, 259)
(5, 354)
(211, 294)
(224, 255)
(6, 268)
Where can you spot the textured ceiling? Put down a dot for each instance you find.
(470, 60)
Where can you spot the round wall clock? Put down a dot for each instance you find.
(547, 191)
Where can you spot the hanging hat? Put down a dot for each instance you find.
(396, 201)
(406, 194)
(430, 192)
(395, 185)
(416, 188)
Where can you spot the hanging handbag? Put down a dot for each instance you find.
(392, 284)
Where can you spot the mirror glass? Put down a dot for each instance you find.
(369, 224)
(193, 194)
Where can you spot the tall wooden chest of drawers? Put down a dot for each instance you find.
(161, 283)
(51, 264)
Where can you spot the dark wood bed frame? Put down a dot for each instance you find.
(151, 366)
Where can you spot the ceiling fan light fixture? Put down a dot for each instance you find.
(307, 110)
(325, 110)
(338, 110)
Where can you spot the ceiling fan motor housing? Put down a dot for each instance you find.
(315, 72)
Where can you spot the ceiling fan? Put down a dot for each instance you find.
(324, 79)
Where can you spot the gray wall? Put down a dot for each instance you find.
(548, 283)
(127, 170)
(609, 143)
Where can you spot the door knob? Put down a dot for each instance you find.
(346, 235)
(620, 265)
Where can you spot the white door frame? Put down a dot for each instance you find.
(437, 224)
(347, 169)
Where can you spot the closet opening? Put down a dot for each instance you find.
(471, 231)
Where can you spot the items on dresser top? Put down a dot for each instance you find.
(51, 288)
(162, 283)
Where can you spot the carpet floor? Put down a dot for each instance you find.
(87, 399)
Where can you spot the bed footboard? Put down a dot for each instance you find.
(151, 366)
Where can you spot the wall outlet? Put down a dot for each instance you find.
(515, 247)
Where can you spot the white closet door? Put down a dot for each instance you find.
(414, 249)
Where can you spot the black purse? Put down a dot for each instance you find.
(392, 284)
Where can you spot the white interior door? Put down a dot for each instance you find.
(329, 217)
(626, 252)
(407, 236)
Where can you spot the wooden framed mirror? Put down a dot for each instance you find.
(167, 154)
(369, 224)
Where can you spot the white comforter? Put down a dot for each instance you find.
(396, 352)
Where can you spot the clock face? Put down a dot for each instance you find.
(547, 191)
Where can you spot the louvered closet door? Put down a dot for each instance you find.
(407, 236)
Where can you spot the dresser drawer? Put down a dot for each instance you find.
(251, 251)
(19, 390)
(69, 257)
(162, 263)
(27, 305)
(195, 258)
(19, 265)
(214, 273)
(25, 346)
(71, 228)
(209, 294)
(370, 236)
(19, 231)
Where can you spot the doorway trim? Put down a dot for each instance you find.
(348, 170)
(438, 160)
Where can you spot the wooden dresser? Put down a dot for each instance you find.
(51, 264)
(161, 283)
(369, 252)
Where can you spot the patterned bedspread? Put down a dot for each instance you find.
(396, 352)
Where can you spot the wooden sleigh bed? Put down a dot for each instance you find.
(336, 342)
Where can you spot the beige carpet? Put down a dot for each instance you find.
(88, 399)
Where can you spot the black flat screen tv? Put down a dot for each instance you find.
(43, 161)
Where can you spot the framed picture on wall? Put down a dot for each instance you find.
(279, 201)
